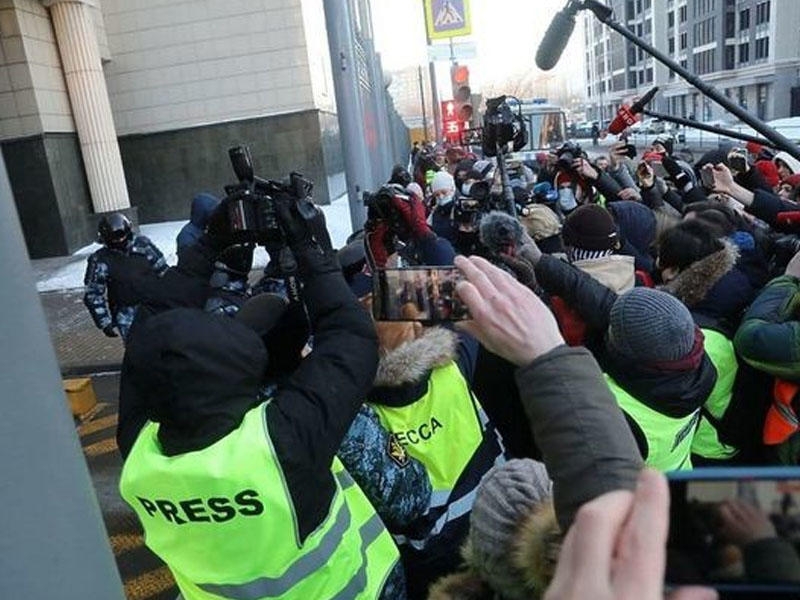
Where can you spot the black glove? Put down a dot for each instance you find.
(109, 331)
(304, 226)
(681, 179)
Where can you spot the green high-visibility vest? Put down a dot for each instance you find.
(706, 441)
(669, 439)
(448, 432)
(223, 521)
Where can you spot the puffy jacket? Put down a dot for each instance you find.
(203, 206)
(769, 336)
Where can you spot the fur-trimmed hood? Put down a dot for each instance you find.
(411, 361)
(533, 553)
(693, 284)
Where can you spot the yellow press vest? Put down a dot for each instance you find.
(448, 432)
(706, 440)
(223, 521)
(669, 439)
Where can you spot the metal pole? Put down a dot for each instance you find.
(605, 15)
(349, 107)
(53, 542)
(437, 117)
(710, 128)
(422, 102)
(385, 147)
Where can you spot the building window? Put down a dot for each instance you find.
(762, 93)
(730, 57)
(671, 44)
(647, 4)
(684, 64)
(683, 41)
(671, 19)
(762, 12)
(762, 48)
(744, 53)
(743, 97)
(641, 77)
(631, 80)
(682, 14)
(730, 25)
(648, 26)
(648, 75)
(744, 19)
(638, 6)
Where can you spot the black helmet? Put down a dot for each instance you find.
(114, 230)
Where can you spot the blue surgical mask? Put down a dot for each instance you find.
(444, 200)
(566, 199)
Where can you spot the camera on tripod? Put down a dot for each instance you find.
(501, 126)
(251, 202)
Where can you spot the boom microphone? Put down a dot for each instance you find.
(555, 39)
(626, 116)
(500, 233)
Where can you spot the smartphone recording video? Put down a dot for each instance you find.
(707, 178)
(424, 294)
(735, 529)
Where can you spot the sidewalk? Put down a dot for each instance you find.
(81, 348)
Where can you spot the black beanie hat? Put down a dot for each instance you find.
(590, 227)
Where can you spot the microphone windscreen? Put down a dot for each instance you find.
(555, 40)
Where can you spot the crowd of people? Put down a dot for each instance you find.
(638, 317)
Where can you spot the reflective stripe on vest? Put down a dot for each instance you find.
(449, 433)
(706, 441)
(669, 439)
(223, 521)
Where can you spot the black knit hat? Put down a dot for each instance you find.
(590, 227)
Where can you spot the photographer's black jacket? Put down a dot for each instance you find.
(218, 375)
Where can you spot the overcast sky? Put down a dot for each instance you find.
(506, 33)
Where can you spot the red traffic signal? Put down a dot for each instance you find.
(462, 93)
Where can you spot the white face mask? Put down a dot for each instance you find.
(566, 199)
(445, 200)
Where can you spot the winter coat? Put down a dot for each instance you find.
(203, 206)
(637, 231)
(715, 290)
(403, 377)
(222, 373)
(112, 280)
(766, 206)
(673, 393)
(585, 457)
(615, 271)
(769, 336)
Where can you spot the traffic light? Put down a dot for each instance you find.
(462, 94)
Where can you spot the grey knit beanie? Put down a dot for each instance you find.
(507, 494)
(650, 326)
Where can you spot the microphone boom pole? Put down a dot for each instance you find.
(605, 15)
(710, 128)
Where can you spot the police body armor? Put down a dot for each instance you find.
(223, 521)
(707, 441)
(669, 439)
(449, 433)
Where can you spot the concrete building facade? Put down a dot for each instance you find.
(748, 49)
(184, 80)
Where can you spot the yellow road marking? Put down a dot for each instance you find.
(101, 447)
(124, 542)
(149, 584)
(98, 425)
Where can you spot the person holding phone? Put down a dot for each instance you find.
(423, 400)
(615, 514)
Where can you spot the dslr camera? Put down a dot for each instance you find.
(567, 153)
(251, 202)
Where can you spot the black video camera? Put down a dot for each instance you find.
(251, 202)
(567, 154)
(501, 126)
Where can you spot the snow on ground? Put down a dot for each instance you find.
(337, 216)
